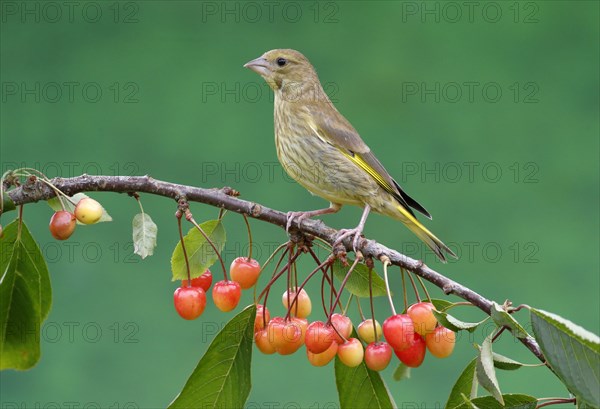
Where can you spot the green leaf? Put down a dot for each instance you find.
(511, 401)
(486, 375)
(572, 352)
(361, 387)
(144, 235)
(200, 253)
(506, 363)
(465, 384)
(504, 319)
(54, 203)
(402, 372)
(25, 297)
(222, 378)
(455, 324)
(358, 283)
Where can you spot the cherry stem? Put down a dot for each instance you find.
(312, 253)
(331, 288)
(298, 289)
(362, 316)
(289, 272)
(371, 302)
(347, 304)
(268, 261)
(424, 289)
(275, 277)
(556, 402)
(274, 271)
(500, 331)
(343, 285)
(249, 236)
(185, 256)
(190, 218)
(414, 286)
(404, 289)
(323, 294)
(386, 262)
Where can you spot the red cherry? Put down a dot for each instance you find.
(302, 307)
(414, 355)
(323, 358)
(351, 352)
(441, 342)
(399, 331)
(318, 337)
(262, 316)
(204, 281)
(284, 336)
(261, 338)
(189, 302)
(244, 271)
(226, 295)
(378, 355)
(366, 333)
(62, 225)
(423, 319)
(343, 325)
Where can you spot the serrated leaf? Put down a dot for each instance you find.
(144, 235)
(402, 372)
(486, 374)
(222, 378)
(511, 401)
(504, 319)
(506, 363)
(465, 384)
(25, 298)
(54, 203)
(358, 283)
(200, 253)
(455, 324)
(361, 387)
(572, 352)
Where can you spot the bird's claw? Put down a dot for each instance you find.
(345, 233)
(299, 216)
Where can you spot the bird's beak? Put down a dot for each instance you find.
(259, 65)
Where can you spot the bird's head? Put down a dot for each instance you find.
(284, 68)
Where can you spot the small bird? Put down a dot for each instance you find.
(321, 150)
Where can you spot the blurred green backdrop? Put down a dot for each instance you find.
(488, 114)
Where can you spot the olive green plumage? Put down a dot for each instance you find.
(321, 150)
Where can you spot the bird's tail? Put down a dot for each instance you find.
(435, 244)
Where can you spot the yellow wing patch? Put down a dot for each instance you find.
(367, 168)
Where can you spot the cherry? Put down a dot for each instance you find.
(351, 352)
(441, 342)
(318, 337)
(285, 336)
(226, 295)
(422, 317)
(189, 302)
(414, 355)
(378, 355)
(245, 271)
(261, 338)
(262, 316)
(302, 307)
(62, 225)
(343, 325)
(303, 324)
(88, 211)
(399, 331)
(204, 281)
(366, 333)
(323, 358)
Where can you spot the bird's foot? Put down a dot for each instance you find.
(345, 233)
(298, 216)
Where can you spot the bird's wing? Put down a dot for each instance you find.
(334, 129)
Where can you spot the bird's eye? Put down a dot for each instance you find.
(281, 61)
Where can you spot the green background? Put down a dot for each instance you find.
(176, 104)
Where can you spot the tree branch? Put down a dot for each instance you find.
(34, 190)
